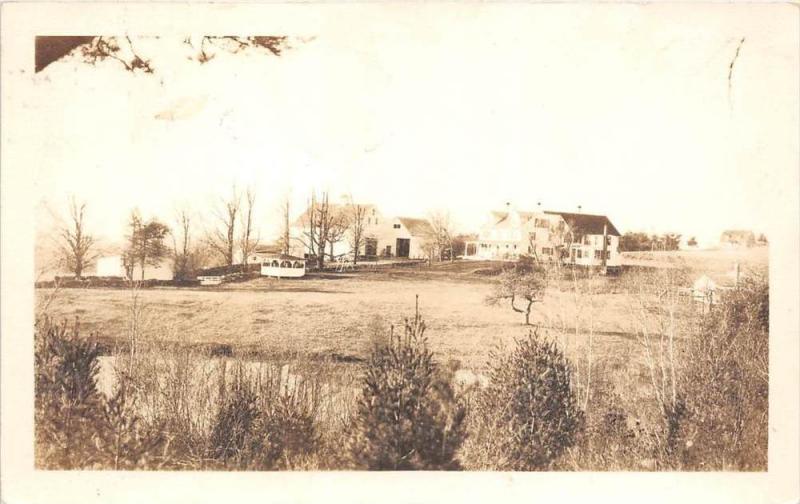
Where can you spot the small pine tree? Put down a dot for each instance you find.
(67, 407)
(76, 426)
(409, 417)
(529, 414)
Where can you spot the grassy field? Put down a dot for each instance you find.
(339, 314)
(714, 261)
(318, 317)
(324, 326)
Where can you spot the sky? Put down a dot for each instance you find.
(625, 110)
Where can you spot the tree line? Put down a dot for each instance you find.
(231, 234)
(638, 241)
(150, 241)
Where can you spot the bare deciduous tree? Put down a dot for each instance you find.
(76, 244)
(442, 234)
(656, 301)
(249, 239)
(183, 255)
(94, 49)
(356, 215)
(222, 239)
(338, 228)
(321, 223)
(285, 240)
(524, 283)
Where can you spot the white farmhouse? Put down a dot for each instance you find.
(577, 238)
(113, 266)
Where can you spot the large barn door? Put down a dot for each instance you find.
(403, 247)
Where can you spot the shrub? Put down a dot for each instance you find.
(726, 385)
(618, 435)
(233, 437)
(528, 414)
(76, 426)
(262, 433)
(123, 439)
(408, 416)
(67, 405)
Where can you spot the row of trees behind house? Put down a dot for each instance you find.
(233, 234)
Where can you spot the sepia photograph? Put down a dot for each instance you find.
(394, 237)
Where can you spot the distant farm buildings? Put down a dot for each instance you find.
(709, 288)
(407, 237)
(576, 238)
(113, 266)
(737, 238)
(389, 237)
(340, 238)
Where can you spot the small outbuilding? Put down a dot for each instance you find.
(283, 266)
(705, 290)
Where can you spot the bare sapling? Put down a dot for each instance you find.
(655, 302)
(522, 286)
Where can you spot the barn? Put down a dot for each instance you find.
(406, 237)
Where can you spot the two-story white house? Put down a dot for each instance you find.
(577, 238)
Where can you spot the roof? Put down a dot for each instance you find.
(417, 227)
(715, 281)
(335, 208)
(587, 223)
(284, 257)
(501, 217)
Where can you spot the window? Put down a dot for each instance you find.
(541, 223)
(597, 254)
(579, 253)
(547, 250)
(396, 226)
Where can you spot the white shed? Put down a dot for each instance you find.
(705, 290)
(110, 266)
